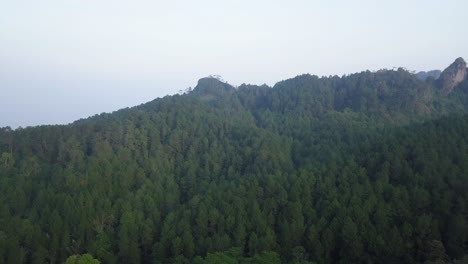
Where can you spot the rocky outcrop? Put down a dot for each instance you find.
(453, 75)
(210, 85)
(210, 88)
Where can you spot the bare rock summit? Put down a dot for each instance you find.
(453, 75)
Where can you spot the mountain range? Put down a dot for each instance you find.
(365, 168)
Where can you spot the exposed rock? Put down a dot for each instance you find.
(453, 75)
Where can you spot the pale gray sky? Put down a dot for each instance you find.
(68, 59)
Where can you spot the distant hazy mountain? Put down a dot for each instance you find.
(423, 75)
(365, 168)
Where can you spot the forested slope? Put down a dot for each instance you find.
(366, 168)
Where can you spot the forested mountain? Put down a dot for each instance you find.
(365, 168)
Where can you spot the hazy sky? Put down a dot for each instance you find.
(68, 59)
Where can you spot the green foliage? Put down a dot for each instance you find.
(7, 160)
(366, 168)
(82, 259)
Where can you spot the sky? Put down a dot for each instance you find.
(64, 60)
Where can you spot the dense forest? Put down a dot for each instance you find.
(370, 167)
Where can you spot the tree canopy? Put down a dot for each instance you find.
(365, 168)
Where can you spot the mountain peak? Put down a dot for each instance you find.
(460, 60)
(453, 75)
(212, 86)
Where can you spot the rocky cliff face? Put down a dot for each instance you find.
(453, 75)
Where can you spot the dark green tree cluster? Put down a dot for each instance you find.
(366, 168)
